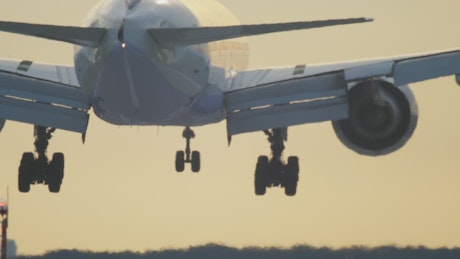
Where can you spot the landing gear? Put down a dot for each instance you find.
(275, 172)
(37, 169)
(193, 158)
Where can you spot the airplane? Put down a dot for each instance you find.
(184, 63)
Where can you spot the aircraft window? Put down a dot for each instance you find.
(132, 3)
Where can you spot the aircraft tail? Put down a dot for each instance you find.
(89, 37)
(190, 36)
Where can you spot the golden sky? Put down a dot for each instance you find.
(120, 190)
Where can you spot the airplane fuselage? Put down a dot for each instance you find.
(133, 81)
(183, 63)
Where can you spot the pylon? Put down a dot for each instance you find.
(4, 237)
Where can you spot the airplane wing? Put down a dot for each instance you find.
(280, 97)
(43, 95)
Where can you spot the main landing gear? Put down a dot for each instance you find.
(274, 171)
(37, 169)
(188, 157)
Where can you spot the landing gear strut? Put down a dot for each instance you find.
(193, 158)
(37, 169)
(274, 172)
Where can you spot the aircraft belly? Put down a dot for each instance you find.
(133, 90)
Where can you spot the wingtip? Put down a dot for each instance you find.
(368, 19)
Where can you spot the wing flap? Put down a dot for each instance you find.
(284, 92)
(43, 114)
(44, 95)
(287, 115)
(189, 36)
(282, 104)
(44, 91)
(426, 67)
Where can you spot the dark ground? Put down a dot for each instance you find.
(298, 252)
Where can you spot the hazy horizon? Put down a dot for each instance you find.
(300, 251)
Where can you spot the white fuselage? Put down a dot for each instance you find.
(133, 81)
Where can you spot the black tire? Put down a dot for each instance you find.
(260, 181)
(56, 173)
(180, 161)
(196, 161)
(293, 165)
(58, 164)
(54, 187)
(292, 176)
(58, 158)
(25, 169)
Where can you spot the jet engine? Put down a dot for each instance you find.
(382, 118)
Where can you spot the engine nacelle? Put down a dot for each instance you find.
(382, 118)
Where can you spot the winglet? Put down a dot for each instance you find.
(89, 37)
(190, 36)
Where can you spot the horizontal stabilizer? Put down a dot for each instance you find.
(190, 36)
(89, 37)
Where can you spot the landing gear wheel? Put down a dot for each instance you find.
(187, 156)
(180, 161)
(25, 170)
(56, 173)
(273, 171)
(291, 176)
(260, 181)
(196, 161)
(36, 168)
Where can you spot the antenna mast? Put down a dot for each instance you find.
(4, 220)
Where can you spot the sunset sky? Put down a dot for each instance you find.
(121, 192)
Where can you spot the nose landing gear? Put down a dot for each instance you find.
(275, 172)
(188, 157)
(37, 169)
